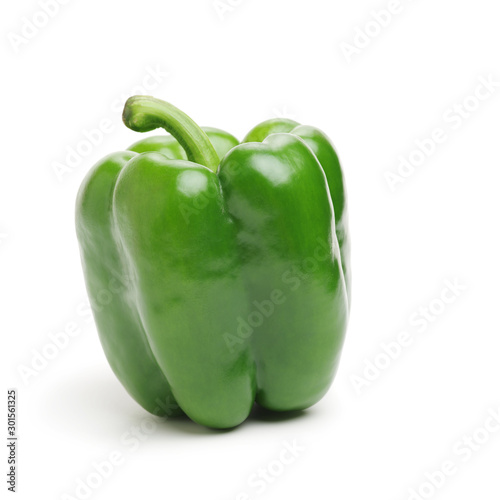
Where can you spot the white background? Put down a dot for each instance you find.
(233, 67)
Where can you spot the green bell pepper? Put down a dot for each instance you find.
(216, 284)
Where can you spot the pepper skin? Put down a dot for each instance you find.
(218, 273)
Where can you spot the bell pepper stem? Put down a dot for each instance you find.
(145, 113)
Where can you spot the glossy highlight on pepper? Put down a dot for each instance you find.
(218, 272)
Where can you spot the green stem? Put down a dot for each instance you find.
(144, 113)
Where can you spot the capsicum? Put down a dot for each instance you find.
(218, 272)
